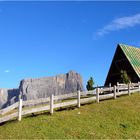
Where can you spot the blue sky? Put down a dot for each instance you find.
(48, 38)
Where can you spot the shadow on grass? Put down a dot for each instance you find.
(4, 123)
(60, 109)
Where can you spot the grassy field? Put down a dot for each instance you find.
(110, 119)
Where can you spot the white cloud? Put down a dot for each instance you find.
(119, 24)
(7, 71)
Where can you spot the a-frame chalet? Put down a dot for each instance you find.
(125, 58)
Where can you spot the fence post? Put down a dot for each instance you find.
(78, 98)
(114, 92)
(117, 87)
(129, 89)
(20, 109)
(97, 95)
(110, 87)
(51, 103)
(139, 86)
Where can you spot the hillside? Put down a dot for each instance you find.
(112, 119)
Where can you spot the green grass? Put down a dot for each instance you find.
(110, 119)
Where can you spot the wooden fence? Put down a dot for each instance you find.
(22, 108)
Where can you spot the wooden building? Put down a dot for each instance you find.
(125, 58)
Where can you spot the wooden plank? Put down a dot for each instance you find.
(135, 84)
(78, 99)
(9, 108)
(122, 93)
(121, 84)
(123, 88)
(51, 103)
(135, 90)
(114, 92)
(91, 92)
(87, 92)
(126, 86)
(88, 99)
(35, 102)
(97, 95)
(129, 90)
(65, 96)
(8, 117)
(20, 110)
(107, 96)
(35, 110)
(63, 104)
(107, 89)
(126, 92)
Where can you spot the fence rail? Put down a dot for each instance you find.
(23, 108)
(9, 108)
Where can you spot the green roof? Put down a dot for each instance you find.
(133, 56)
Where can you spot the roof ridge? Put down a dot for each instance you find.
(125, 45)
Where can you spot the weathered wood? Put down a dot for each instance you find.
(123, 87)
(135, 84)
(78, 99)
(126, 92)
(97, 95)
(122, 93)
(87, 92)
(36, 102)
(85, 100)
(134, 90)
(20, 110)
(139, 86)
(121, 84)
(117, 87)
(106, 89)
(35, 110)
(9, 108)
(51, 103)
(65, 96)
(47, 100)
(114, 92)
(64, 104)
(107, 96)
(9, 117)
(129, 89)
(109, 87)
